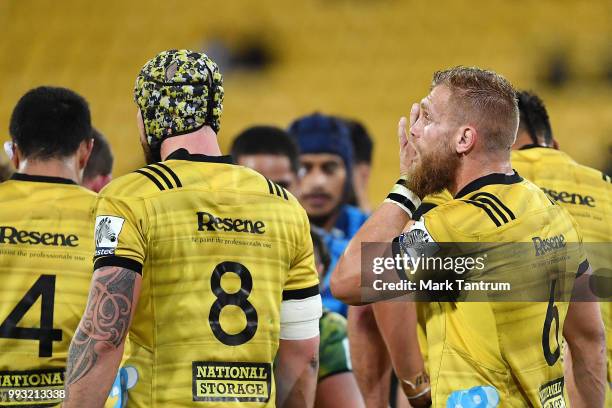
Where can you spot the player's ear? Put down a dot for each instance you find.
(84, 151)
(15, 156)
(465, 139)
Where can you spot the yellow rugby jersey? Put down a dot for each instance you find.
(219, 247)
(587, 195)
(474, 347)
(45, 269)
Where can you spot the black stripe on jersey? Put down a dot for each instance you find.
(160, 174)
(497, 200)
(401, 182)
(152, 178)
(278, 193)
(270, 188)
(276, 189)
(403, 201)
(486, 209)
(583, 267)
(177, 181)
(423, 209)
(492, 205)
(284, 193)
(118, 261)
(298, 294)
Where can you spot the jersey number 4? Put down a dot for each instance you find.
(44, 288)
(239, 298)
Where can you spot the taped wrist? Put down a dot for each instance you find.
(416, 386)
(401, 196)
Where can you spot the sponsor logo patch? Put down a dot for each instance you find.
(551, 394)
(544, 245)
(11, 235)
(476, 397)
(210, 222)
(107, 233)
(38, 383)
(231, 382)
(570, 198)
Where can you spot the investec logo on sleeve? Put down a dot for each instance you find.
(107, 233)
(233, 382)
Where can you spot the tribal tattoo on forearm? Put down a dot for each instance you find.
(105, 322)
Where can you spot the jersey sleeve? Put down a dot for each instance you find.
(334, 356)
(120, 233)
(303, 280)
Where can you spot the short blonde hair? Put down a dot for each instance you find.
(484, 99)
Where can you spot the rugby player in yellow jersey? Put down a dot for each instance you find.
(46, 222)
(499, 354)
(585, 193)
(272, 152)
(208, 265)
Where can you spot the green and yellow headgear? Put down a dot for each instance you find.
(178, 92)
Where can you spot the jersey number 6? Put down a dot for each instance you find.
(239, 298)
(552, 313)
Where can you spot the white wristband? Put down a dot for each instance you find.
(401, 196)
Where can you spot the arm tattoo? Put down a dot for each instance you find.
(106, 319)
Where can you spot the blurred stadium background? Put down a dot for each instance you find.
(366, 59)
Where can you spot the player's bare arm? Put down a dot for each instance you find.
(585, 336)
(397, 322)
(369, 356)
(97, 347)
(384, 225)
(339, 390)
(296, 372)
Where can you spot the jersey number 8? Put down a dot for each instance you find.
(239, 298)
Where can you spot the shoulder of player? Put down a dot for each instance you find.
(150, 179)
(478, 212)
(63, 191)
(255, 183)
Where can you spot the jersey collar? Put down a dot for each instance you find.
(41, 179)
(493, 178)
(532, 146)
(183, 154)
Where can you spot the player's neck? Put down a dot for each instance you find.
(202, 141)
(64, 168)
(468, 172)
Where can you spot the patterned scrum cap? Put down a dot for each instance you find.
(178, 92)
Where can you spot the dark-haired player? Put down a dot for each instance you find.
(273, 153)
(46, 225)
(586, 194)
(208, 265)
(270, 151)
(362, 163)
(98, 171)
